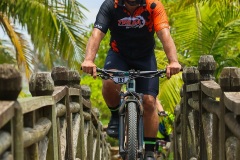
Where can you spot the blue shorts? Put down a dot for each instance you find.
(148, 86)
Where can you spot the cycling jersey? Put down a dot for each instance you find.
(132, 35)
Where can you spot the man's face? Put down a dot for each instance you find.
(132, 2)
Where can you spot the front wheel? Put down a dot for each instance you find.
(132, 129)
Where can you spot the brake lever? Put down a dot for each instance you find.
(104, 76)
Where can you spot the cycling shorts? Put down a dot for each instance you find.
(147, 86)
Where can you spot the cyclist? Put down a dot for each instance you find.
(132, 24)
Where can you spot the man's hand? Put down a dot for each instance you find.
(173, 68)
(89, 67)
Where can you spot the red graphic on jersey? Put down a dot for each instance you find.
(114, 46)
(132, 22)
(154, 15)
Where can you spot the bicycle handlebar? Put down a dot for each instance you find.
(122, 77)
(132, 73)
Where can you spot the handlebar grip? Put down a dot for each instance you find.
(98, 69)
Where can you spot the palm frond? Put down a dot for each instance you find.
(55, 27)
(21, 47)
(183, 28)
(169, 94)
(219, 35)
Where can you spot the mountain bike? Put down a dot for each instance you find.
(131, 144)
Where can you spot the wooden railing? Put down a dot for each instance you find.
(56, 123)
(207, 122)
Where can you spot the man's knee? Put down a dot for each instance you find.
(149, 104)
(110, 92)
(110, 87)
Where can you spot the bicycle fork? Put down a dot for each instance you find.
(122, 110)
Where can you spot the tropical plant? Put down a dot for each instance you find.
(207, 27)
(55, 28)
(169, 92)
(5, 56)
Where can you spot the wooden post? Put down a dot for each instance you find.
(86, 93)
(17, 131)
(229, 79)
(190, 76)
(74, 79)
(230, 82)
(97, 154)
(206, 67)
(41, 84)
(80, 146)
(10, 87)
(61, 77)
(10, 82)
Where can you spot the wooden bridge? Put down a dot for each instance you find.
(58, 122)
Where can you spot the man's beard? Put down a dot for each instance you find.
(132, 3)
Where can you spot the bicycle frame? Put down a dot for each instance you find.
(131, 96)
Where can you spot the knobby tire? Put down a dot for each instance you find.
(132, 131)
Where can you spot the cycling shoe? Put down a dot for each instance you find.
(113, 125)
(149, 155)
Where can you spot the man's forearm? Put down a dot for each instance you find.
(170, 50)
(93, 44)
(91, 50)
(168, 45)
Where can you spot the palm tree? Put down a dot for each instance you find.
(55, 28)
(207, 27)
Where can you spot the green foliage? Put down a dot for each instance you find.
(55, 27)
(96, 95)
(112, 141)
(168, 121)
(5, 53)
(207, 27)
(169, 93)
(5, 57)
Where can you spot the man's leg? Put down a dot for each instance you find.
(150, 116)
(110, 92)
(150, 126)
